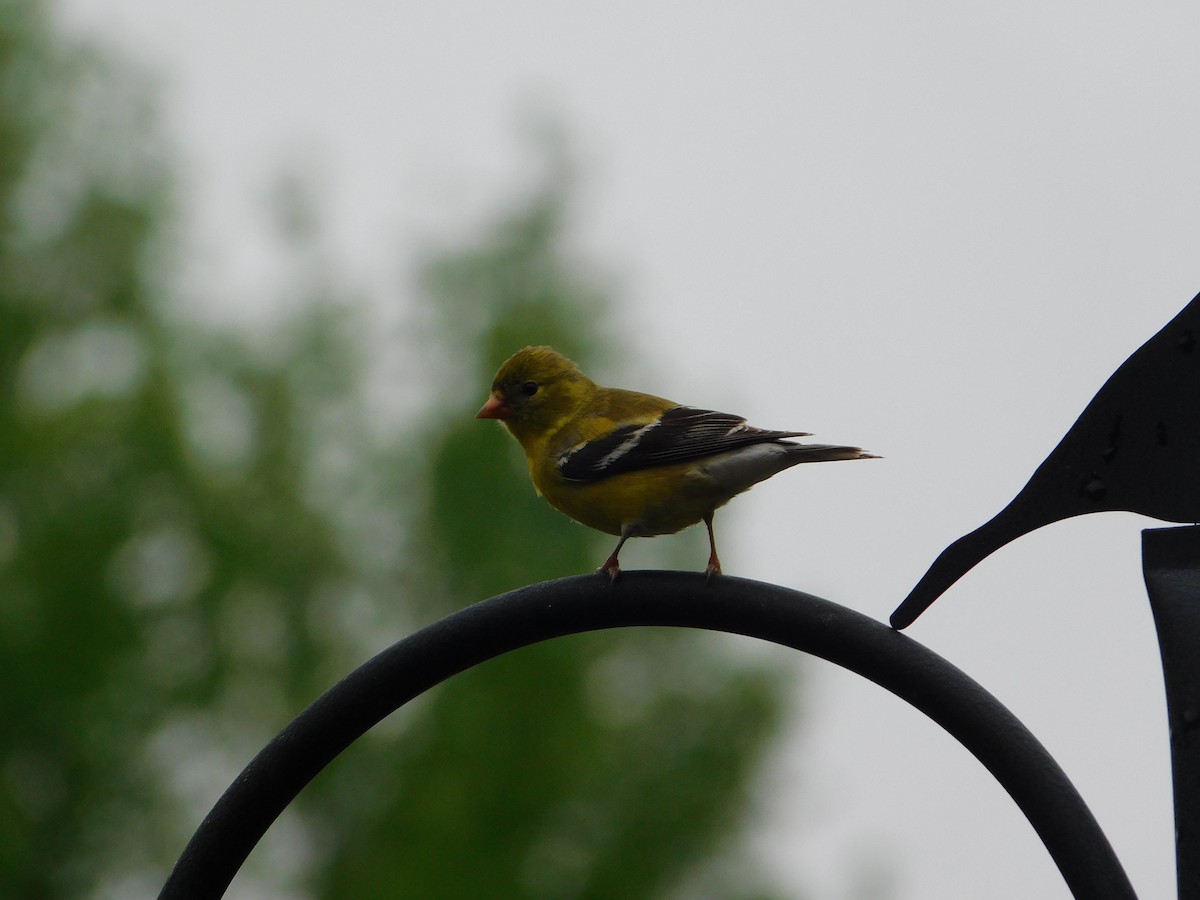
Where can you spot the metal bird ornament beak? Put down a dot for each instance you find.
(1135, 448)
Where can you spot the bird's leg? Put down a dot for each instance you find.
(610, 567)
(714, 564)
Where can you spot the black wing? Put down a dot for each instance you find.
(680, 434)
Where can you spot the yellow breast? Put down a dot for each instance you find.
(660, 500)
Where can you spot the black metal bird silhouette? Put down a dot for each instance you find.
(1136, 447)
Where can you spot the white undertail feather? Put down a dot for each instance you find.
(739, 469)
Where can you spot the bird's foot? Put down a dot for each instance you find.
(714, 564)
(610, 568)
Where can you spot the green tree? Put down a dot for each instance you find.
(200, 531)
(158, 548)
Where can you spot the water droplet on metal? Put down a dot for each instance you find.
(1095, 488)
(1162, 434)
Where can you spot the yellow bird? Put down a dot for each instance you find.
(633, 464)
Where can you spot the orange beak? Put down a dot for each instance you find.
(495, 408)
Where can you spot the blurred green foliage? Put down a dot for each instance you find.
(200, 531)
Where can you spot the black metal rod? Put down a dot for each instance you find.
(1171, 564)
(588, 603)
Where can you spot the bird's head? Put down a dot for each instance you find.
(534, 390)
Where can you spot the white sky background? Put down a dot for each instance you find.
(930, 229)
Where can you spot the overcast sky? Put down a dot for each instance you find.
(931, 229)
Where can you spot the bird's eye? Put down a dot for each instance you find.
(529, 388)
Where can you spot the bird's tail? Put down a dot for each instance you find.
(737, 470)
(803, 453)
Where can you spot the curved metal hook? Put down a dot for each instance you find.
(589, 603)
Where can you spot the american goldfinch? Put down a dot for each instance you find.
(632, 464)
